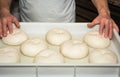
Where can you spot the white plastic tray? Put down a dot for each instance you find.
(67, 69)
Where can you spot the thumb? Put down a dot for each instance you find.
(92, 24)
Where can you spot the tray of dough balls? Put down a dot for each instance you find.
(59, 44)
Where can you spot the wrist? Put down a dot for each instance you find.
(4, 11)
(104, 12)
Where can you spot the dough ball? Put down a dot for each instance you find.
(49, 56)
(95, 40)
(57, 36)
(33, 46)
(9, 55)
(16, 38)
(74, 49)
(102, 56)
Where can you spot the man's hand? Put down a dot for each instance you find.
(106, 25)
(6, 20)
(104, 19)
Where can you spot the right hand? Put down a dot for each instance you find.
(6, 20)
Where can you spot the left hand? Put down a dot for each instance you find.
(106, 25)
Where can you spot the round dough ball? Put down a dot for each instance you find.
(33, 46)
(95, 40)
(74, 49)
(16, 38)
(9, 55)
(102, 56)
(57, 36)
(49, 56)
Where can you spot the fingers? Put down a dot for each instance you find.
(6, 24)
(10, 27)
(0, 30)
(111, 30)
(107, 24)
(4, 27)
(16, 22)
(112, 25)
(92, 24)
(101, 27)
(107, 27)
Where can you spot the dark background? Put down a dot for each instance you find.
(86, 12)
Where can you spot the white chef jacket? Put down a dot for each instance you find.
(47, 10)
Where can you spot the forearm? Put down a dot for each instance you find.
(102, 7)
(5, 5)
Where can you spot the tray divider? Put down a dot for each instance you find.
(74, 71)
(36, 67)
(119, 72)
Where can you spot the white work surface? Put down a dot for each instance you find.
(62, 70)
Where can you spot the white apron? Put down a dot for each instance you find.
(47, 10)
